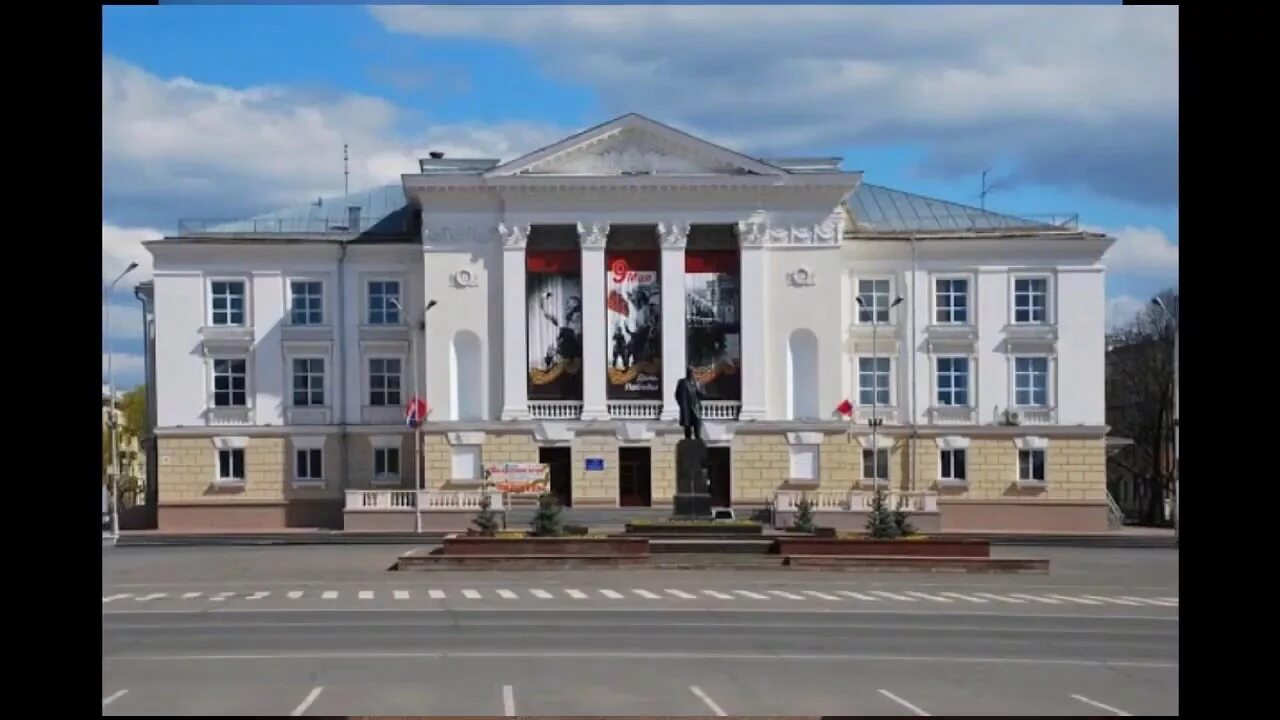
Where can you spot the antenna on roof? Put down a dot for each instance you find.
(986, 189)
(346, 174)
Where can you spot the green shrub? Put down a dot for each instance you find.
(803, 521)
(546, 521)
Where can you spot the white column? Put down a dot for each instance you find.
(674, 237)
(754, 319)
(515, 396)
(592, 239)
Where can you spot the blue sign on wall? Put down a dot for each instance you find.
(595, 463)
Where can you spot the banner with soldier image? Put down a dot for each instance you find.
(712, 327)
(634, 331)
(553, 289)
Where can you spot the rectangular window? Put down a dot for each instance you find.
(382, 309)
(226, 299)
(875, 464)
(309, 465)
(231, 465)
(874, 308)
(873, 381)
(386, 465)
(384, 382)
(804, 462)
(1031, 466)
(951, 301)
(953, 381)
(308, 382)
(1031, 381)
(229, 383)
(953, 466)
(1030, 300)
(466, 462)
(307, 302)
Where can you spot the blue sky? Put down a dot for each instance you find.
(215, 111)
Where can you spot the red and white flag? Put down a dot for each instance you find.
(415, 412)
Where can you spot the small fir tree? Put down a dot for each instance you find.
(486, 521)
(547, 521)
(880, 521)
(902, 519)
(803, 521)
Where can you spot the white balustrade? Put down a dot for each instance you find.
(952, 415)
(887, 413)
(555, 409)
(720, 409)
(919, 501)
(635, 409)
(428, 500)
(1036, 416)
(229, 416)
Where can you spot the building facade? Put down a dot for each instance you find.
(544, 308)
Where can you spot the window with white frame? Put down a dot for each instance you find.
(875, 464)
(953, 381)
(226, 303)
(308, 465)
(308, 382)
(231, 466)
(874, 294)
(1031, 300)
(386, 465)
(384, 382)
(229, 379)
(384, 302)
(306, 302)
(1031, 381)
(804, 462)
(951, 301)
(1031, 466)
(952, 465)
(873, 380)
(466, 462)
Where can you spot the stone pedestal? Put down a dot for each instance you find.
(693, 495)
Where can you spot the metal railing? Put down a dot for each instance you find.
(635, 409)
(232, 226)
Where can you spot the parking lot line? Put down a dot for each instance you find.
(707, 699)
(904, 703)
(1097, 704)
(113, 697)
(306, 702)
(508, 701)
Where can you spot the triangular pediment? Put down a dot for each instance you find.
(633, 145)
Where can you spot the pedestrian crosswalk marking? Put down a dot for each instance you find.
(681, 594)
(960, 596)
(785, 594)
(112, 598)
(894, 596)
(752, 595)
(435, 594)
(400, 594)
(540, 594)
(1151, 601)
(1001, 598)
(1048, 601)
(858, 595)
(191, 595)
(822, 595)
(647, 595)
(575, 594)
(366, 594)
(470, 594)
(927, 596)
(152, 596)
(259, 595)
(611, 594)
(1118, 601)
(1068, 598)
(717, 594)
(295, 594)
(507, 594)
(330, 594)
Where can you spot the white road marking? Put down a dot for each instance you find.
(611, 594)
(225, 595)
(366, 594)
(400, 594)
(963, 597)
(752, 595)
(540, 594)
(306, 703)
(575, 594)
(681, 594)
(259, 595)
(471, 594)
(903, 703)
(858, 595)
(1097, 704)
(435, 594)
(507, 595)
(1069, 598)
(785, 594)
(822, 595)
(894, 596)
(152, 596)
(718, 594)
(1173, 600)
(329, 594)
(927, 596)
(709, 702)
(295, 594)
(119, 596)
(1117, 601)
(1001, 598)
(1150, 601)
(508, 701)
(113, 697)
(1048, 601)
(647, 595)
(191, 595)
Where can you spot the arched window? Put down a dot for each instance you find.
(466, 376)
(802, 375)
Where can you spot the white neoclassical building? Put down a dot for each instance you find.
(544, 308)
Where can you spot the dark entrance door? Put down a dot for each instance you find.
(634, 489)
(718, 473)
(560, 466)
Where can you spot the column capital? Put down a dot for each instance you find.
(514, 236)
(593, 236)
(674, 235)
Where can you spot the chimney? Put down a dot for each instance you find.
(436, 155)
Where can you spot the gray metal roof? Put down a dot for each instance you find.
(880, 209)
(382, 211)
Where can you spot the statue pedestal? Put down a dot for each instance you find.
(693, 496)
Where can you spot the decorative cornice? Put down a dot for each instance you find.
(752, 231)
(593, 236)
(514, 237)
(673, 234)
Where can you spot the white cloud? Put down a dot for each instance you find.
(129, 369)
(1123, 308)
(1031, 85)
(1144, 251)
(121, 246)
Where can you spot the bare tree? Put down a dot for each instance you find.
(1140, 405)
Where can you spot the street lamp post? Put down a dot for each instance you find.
(113, 465)
(875, 421)
(1177, 467)
(417, 430)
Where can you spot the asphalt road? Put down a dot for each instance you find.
(705, 643)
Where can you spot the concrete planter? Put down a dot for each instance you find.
(924, 547)
(686, 529)
(546, 546)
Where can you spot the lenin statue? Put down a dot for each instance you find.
(689, 399)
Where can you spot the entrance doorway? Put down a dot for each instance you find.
(718, 470)
(559, 467)
(634, 489)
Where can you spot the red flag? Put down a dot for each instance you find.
(845, 407)
(415, 412)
